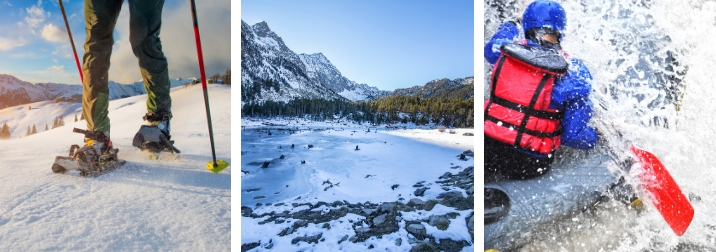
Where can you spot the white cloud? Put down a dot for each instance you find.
(53, 34)
(7, 44)
(178, 42)
(35, 16)
(56, 68)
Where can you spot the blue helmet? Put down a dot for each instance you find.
(545, 14)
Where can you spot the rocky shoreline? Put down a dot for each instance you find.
(379, 219)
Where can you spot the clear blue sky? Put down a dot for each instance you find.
(34, 45)
(387, 44)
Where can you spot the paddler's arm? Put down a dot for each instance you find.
(505, 34)
(577, 134)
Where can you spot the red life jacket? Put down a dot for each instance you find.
(518, 112)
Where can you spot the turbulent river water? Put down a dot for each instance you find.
(653, 65)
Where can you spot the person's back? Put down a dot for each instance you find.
(525, 148)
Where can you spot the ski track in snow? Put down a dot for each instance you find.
(170, 204)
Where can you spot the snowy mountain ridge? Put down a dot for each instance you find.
(266, 58)
(14, 91)
(462, 88)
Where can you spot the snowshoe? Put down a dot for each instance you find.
(155, 136)
(95, 158)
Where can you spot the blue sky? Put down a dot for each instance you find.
(387, 44)
(34, 45)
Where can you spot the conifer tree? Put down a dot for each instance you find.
(46, 128)
(5, 132)
(75, 117)
(34, 129)
(29, 132)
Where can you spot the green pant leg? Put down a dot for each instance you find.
(100, 18)
(145, 21)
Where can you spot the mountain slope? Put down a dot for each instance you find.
(172, 204)
(14, 91)
(272, 71)
(461, 88)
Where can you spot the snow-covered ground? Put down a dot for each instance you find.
(170, 204)
(388, 166)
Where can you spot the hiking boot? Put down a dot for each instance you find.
(160, 120)
(97, 150)
(155, 136)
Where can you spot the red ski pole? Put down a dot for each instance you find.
(217, 165)
(77, 60)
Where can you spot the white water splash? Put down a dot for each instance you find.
(631, 49)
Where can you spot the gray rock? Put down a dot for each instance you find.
(353, 239)
(450, 195)
(423, 247)
(246, 211)
(300, 223)
(280, 204)
(446, 175)
(416, 201)
(259, 197)
(439, 221)
(420, 192)
(471, 223)
(380, 219)
(387, 207)
(398, 242)
(307, 239)
(344, 238)
(367, 211)
(417, 230)
(249, 246)
(362, 229)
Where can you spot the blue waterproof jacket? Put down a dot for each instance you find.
(570, 93)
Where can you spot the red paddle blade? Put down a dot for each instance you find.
(663, 191)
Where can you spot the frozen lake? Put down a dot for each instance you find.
(385, 158)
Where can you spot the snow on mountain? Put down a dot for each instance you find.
(173, 203)
(461, 88)
(264, 57)
(14, 91)
(320, 69)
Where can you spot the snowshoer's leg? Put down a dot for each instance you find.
(100, 18)
(145, 21)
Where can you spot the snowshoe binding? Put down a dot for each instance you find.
(95, 158)
(155, 137)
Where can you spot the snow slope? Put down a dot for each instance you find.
(170, 204)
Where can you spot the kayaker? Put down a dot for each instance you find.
(528, 116)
